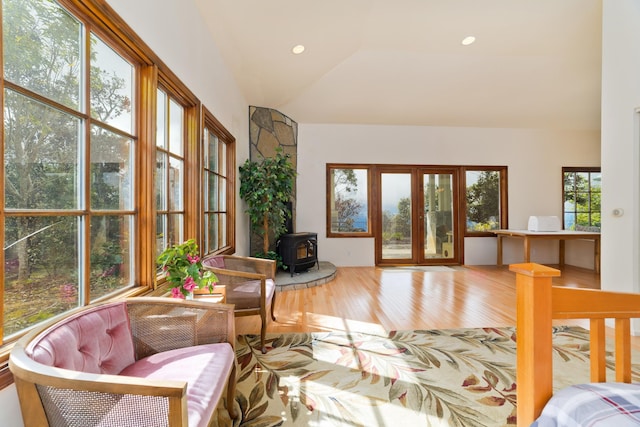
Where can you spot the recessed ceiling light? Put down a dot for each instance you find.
(468, 40)
(297, 49)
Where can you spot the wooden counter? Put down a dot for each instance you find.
(561, 236)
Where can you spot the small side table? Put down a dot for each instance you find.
(219, 295)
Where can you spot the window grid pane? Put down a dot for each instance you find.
(175, 229)
(213, 192)
(176, 184)
(223, 159)
(176, 128)
(215, 185)
(111, 98)
(161, 120)
(212, 231)
(50, 66)
(349, 200)
(170, 170)
(111, 254)
(111, 170)
(483, 200)
(162, 160)
(222, 198)
(42, 146)
(582, 195)
(46, 149)
(223, 227)
(50, 254)
(212, 152)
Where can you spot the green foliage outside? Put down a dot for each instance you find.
(582, 199)
(483, 202)
(397, 227)
(347, 208)
(44, 167)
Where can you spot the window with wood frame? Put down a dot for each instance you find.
(69, 220)
(348, 201)
(91, 117)
(485, 199)
(218, 186)
(170, 171)
(581, 198)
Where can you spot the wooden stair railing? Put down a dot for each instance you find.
(538, 303)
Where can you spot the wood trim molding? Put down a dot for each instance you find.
(6, 377)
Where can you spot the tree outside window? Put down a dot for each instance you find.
(218, 184)
(484, 199)
(56, 147)
(581, 191)
(348, 210)
(170, 171)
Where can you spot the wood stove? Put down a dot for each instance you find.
(299, 251)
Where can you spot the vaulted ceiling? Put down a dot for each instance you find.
(534, 64)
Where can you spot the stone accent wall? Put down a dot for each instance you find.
(269, 129)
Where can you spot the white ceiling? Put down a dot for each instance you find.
(535, 63)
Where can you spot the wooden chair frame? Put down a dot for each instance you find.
(239, 269)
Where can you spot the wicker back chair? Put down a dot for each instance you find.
(249, 285)
(66, 374)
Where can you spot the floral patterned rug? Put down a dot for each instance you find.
(450, 377)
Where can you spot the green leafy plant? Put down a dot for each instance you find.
(274, 256)
(183, 268)
(267, 186)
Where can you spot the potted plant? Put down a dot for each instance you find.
(183, 268)
(267, 186)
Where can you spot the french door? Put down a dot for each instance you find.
(417, 216)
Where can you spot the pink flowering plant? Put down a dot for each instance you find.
(183, 269)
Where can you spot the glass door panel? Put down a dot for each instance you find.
(416, 216)
(396, 218)
(438, 230)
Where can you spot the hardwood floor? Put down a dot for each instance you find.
(371, 299)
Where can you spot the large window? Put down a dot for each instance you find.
(103, 160)
(170, 166)
(219, 189)
(485, 199)
(581, 191)
(348, 201)
(69, 142)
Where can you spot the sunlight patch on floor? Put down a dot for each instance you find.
(333, 323)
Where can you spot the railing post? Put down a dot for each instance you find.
(534, 370)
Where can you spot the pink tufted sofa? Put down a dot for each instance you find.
(135, 362)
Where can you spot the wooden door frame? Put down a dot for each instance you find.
(417, 211)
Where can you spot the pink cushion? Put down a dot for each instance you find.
(247, 294)
(205, 368)
(96, 340)
(214, 261)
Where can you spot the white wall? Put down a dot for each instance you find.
(188, 50)
(10, 407)
(534, 158)
(620, 141)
